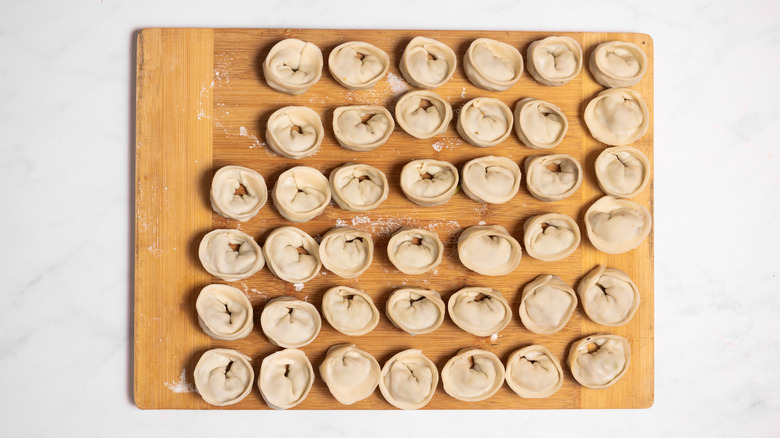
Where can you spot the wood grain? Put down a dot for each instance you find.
(203, 104)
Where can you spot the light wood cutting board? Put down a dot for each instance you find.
(202, 103)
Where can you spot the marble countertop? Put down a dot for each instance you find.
(66, 101)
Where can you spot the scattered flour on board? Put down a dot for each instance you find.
(447, 224)
(222, 76)
(397, 84)
(448, 143)
(361, 220)
(298, 287)
(463, 93)
(341, 223)
(482, 223)
(380, 226)
(181, 385)
(494, 338)
(243, 132)
(154, 248)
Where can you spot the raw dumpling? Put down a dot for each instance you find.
(358, 187)
(493, 180)
(481, 311)
(294, 132)
(534, 372)
(350, 373)
(603, 366)
(550, 237)
(223, 377)
(362, 128)
(554, 60)
(289, 322)
(408, 380)
(617, 116)
(622, 171)
(230, 255)
(552, 177)
(484, 122)
(350, 311)
(608, 296)
(224, 312)
(238, 193)
(414, 250)
(427, 63)
(547, 305)
(292, 66)
(415, 311)
(357, 65)
(492, 65)
(301, 194)
(489, 250)
(618, 64)
(616, 226)
(346, 252)
(472, 375)
(539, 124)
(292, 255)
(285, 378)
(429, 182)
(423, 114)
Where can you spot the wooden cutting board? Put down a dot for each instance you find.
(202, 103)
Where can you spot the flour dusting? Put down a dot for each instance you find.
(298, 287)
(256, 143)
(482, 223)
(361, 220)
(463, 93)
(448, 143)
(397, 84)
(181, 385)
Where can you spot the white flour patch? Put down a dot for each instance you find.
(448, 143)
(298, 287)
(361, 220)
(481, 223)
(181, 385)
(463, 93)
(256, 143)
(433, 226)
(397, 84)
(380, 226)
(222, 77)
(341, 223)
(494, 338)
(154, 248)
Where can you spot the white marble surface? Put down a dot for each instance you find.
(65, 105)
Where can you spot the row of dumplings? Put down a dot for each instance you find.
(613, 226)
(408, 380)
(616, 117)
(609, 297)
(302, 193)
(292, 65)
